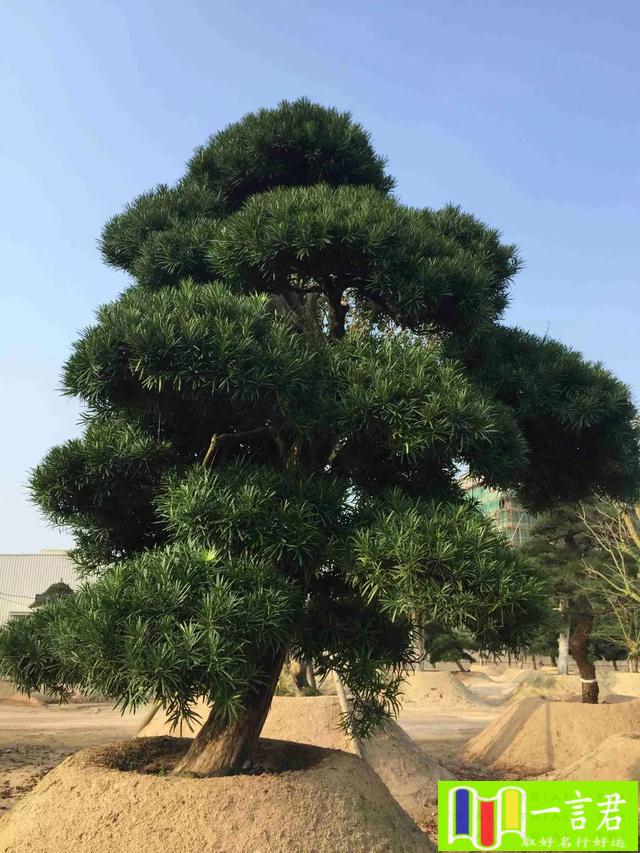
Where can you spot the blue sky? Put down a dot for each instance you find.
(524, 112)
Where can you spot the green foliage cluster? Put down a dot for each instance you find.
(276, 412)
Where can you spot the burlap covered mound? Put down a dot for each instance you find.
(122, 799)
(538, 736)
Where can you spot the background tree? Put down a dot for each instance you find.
(560, 541)
(276, 409)
(444, 644)
(574, 544)
(607, 643)
(615, 576)
(55, 590)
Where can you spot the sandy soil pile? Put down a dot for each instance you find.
(306, 798)
(537, 736)
(471, 677)
(408, 772)
(304, 719)
(493, 670)
(547, 685)
(9, 695)
(514, 676)
(617, 757)
(35, 739)
(438, 689)
(623, 683)
(410, 775)
(307, 719)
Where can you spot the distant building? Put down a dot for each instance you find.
(503, 508)
(23, 577)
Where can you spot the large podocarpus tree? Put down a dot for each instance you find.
(276, 410)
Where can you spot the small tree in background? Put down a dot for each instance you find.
(444, 644)
(276, 409)
(583, 548)
(57, 590)
(615, 576)
(561, 541)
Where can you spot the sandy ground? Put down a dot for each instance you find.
(34, 739)
(443, 732)
(304, 798)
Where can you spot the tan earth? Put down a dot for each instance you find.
(538, 736)
(10, 696)
(561, 687)
(471, 677)
(624, 683)
(438, 689)
(34, 739)
(617, 757)
(123, 799)
(407, 771)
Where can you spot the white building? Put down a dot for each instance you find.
(23, 576)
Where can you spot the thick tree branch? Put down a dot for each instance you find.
(218, 440)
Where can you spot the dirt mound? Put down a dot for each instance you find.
(545, 684)
(617, 757)
(307, 719)
(550, 685)
(537, 736)
(624, 683)
(472, 678)
(121, 799)
(10, 696)
(304, 719)
(410, 775)
(438, 689)
(516, 676)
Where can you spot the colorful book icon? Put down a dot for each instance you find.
(485, 820)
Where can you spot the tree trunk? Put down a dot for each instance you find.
(311, 677)
(615, 666)
(533, 658)
(563, 636)
(554, 662)
(223, 746)
(579, 648)
(563, 652)
(460, 667)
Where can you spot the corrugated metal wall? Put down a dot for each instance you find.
(23, 575)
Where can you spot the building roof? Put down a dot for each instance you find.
(23, 576)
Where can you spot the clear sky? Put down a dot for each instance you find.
(524, 112)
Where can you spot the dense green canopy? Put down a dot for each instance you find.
(276, 413)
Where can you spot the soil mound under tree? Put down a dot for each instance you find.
(122, 798)
(471, 677)
(537, 735)
(438, 690)
(617, 757)
(561, 687)
(409, 774)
